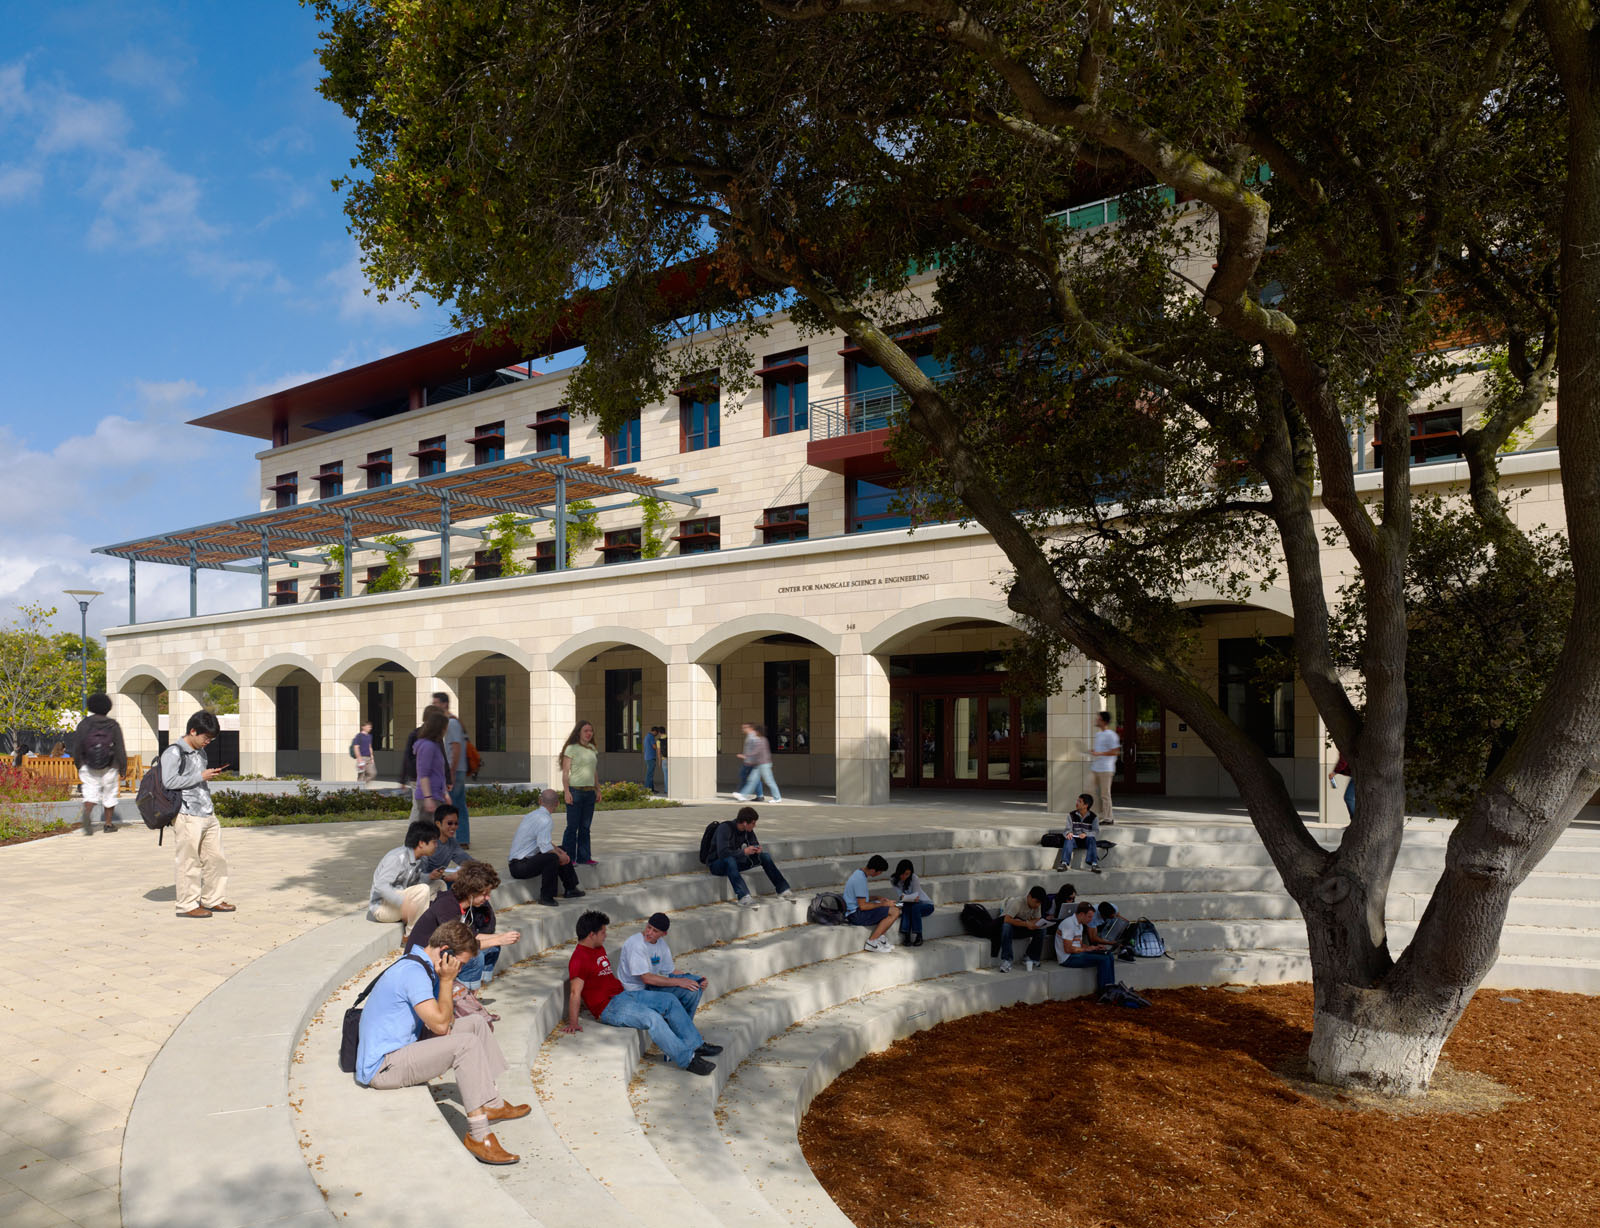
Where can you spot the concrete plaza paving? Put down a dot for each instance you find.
(100, 972)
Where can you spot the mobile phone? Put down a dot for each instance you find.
(446, 952)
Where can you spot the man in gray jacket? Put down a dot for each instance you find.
(401, 887)
(201, 869)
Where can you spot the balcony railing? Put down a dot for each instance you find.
(857, 412)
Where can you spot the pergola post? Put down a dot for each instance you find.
(133, 591)
(561, 523)
(347, 586)
(265, 583)
(444, 537)
(194, 584)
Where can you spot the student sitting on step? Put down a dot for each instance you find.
(1110, 925)
(1081, 832)
(467, 901)
(415, 996)
(736, 849)
(401, 888)
(595, 985)
(870, 912)
(1078, 946)
(645, 962)
(915, 903)
(1023, 914)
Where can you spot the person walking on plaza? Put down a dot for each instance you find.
(757, 756)
(580, 784)
(415, 996)
(862, 908)
(1343, 768)
(652, 756)
(1103, 762)
(361, 748)
(432, 788)
(915, 903)
(645, 962)
(201, 868)
(101, 758)
(735, 849)
(534, 853)
(455, 758)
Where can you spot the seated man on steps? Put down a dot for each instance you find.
(1081, 832)
(593, 984)
(1023, 913)
(412, 999)
(736, 849)
(1110, 924)
(645, 962)
(1078, 946)
(400, 887)
(535, 852)
(860, 908)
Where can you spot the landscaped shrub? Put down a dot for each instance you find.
(623, 793)
(17, 785)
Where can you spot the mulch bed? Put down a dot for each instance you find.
(1188, 1114)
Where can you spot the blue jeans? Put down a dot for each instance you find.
(458, 799)
(1035, 942)
(758, 774)
(1103, 963)
(662, 1015)
(650, 772)
(473, 971)
(911, 914)
(1350, 798)
(580, 817)
(689, 999)
(1091, 856)
(729, 868)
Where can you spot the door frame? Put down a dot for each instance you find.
(1129, 696)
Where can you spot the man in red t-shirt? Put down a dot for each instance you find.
(595, 985)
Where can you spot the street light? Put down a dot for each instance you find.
(83, 596)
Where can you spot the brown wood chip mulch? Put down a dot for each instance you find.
(1187, 1114)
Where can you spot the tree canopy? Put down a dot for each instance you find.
(1322, 209)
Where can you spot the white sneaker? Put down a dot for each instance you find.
(1005, 965)
(748, 901)
(878, 944)
(786, 894)
(741, 797)
(1030, 964)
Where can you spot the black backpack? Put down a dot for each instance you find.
(350, 1037)
(158, 805)
(826, 908)
(708, 842)
(99, 746)
(976, 920)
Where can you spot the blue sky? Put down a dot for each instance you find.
(169, 246)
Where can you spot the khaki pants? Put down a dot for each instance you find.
(417, 898)
(469, 1048)
(1102, 789)
(201, 871)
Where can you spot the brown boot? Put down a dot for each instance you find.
(489, 1151)
(507, 1112)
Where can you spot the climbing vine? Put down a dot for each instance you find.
(653, 542)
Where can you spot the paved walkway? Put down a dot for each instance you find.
(97, 971)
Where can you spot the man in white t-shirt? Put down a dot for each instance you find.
(645, 962)
(1078, 946)
(1104, 749)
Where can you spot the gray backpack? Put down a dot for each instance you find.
(826, 908)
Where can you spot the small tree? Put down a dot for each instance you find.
(38, 683)
(72, 647)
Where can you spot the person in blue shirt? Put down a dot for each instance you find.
(409, 1035)
(863, 909)
(652, 757)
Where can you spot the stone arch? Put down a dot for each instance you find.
(273, 669)
(125, 684)
(208, 665)
(363, 660)
(579, 648)
(906, 625)
(468, 652)
(727, 638)
(1275, 600)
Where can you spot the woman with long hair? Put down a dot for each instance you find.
(432, 787)
(580, 786)
(915, 903)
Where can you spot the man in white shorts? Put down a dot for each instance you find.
(101, 759)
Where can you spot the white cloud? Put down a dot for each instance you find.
(72, 122)
(144, 202)
(357, 300)
(18, 181)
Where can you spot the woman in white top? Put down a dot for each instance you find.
(915, 903)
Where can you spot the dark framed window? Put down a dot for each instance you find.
(329, 585)
(624, 709)
(623, 448)
(287, 489)
(1256, 690)
(374, 572)
(380, 711)
(783, 386)
(788, 692)
(1435, 435)
(330, 480)
(873, 503)
(623, 546)
(786, 524)
(544, 556)
(700, 536)
(380, 468)
(552, 430)
(286, 702)
(285, 592)
(489, 443)
(486, 564)
(427, 573)
(489, 704)
(430, 456)
(699, 415)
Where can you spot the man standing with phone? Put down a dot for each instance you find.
(201, 870)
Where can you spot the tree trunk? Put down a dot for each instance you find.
(1377, 1039)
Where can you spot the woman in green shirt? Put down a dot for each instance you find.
(580, 782)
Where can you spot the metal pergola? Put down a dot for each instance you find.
(534, 488)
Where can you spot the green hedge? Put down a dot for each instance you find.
(489, 799)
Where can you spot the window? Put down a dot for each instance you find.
(788, 692)
(427, 573)
(380, 468)
(328, 586)
(488, 443)
(873, 398)
(380, 711)
(374, 573)
(285, 592)
(287, 488)
(485, 564)
(552, 431)
(489, 702)
(1435, 435)
(430, 457)
(286, 702)
(1256, 681)
(544, 556)
(699, 415)
(622, 448)
(872, 503)
(624, 709)
(623, 546)
(699, 536)
(331, 480)
(786, 524)
(783, 382)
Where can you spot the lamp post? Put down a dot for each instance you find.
(83, 596)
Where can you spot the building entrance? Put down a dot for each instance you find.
(1141, 722)
(955, 730)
